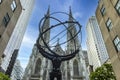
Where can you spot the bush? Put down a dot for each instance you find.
(105, 72)
(3, 76)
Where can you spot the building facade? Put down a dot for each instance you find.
(18, 32)
(91, 49)
(108, 17)
(39, 67)
(97, 52)
(17, 72)
(10, 12)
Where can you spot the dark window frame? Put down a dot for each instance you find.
(115, 44)
(6, 19)
(108, 26)
(13, 5)
(102, 10)
(118, 8)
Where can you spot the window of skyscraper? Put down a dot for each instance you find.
(117, 43)
(102, 10)
(109, 24)
(6, 19)
(13, 5)
(118, 7)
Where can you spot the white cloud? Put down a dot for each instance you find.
(66, 5)
(23, 58)
(77, 15)
(70, 3)
(24, 61)
(28, 41)
(24, 64)
(27, 45)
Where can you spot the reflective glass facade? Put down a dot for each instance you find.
(97, 52)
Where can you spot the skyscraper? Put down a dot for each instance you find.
(97, 52)
(17, 72)
(39, 67)
(108, 17)
(10, 12)
(18, 32)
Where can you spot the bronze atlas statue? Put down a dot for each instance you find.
(55, 58)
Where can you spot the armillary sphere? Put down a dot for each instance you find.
(60, 29)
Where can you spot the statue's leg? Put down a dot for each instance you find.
(59, 76)
(51, 76)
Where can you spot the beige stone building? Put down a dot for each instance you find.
(108, 17)
(10, 11)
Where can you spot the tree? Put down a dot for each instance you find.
(3, 76)
(105, 72)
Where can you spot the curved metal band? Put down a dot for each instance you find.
(63, 23)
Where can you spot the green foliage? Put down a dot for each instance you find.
(105, 72)
(3, 76)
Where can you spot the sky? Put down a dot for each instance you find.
(82, 10)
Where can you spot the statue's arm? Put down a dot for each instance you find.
(70, 56)
(43, 52)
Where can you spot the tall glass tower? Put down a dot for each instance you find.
(18, 33)
(97, 52)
